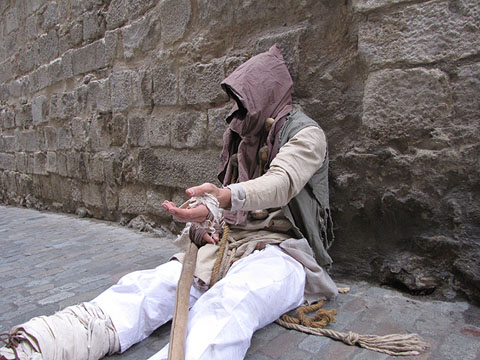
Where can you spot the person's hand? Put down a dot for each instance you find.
(223, 195)
(197, 214)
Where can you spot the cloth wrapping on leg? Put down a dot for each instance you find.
(80, 332)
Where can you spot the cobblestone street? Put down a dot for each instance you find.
(49, 261)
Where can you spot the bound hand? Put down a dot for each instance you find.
(199, 213)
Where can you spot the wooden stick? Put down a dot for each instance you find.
(176, 350)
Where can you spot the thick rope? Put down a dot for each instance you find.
(221, 251)
(394, 345)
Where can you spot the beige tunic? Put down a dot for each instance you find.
(289, 171)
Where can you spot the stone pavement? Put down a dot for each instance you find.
(49, 261)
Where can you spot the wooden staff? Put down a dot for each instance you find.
(176, 350)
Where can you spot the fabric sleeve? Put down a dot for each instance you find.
(290, 170)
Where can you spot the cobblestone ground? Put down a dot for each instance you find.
(49, 261)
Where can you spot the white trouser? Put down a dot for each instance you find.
(255, 292)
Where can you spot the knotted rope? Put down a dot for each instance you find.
(394, 345)
(12, 339)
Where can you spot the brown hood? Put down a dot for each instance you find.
(262, 89)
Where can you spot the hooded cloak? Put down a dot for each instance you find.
(262, 89)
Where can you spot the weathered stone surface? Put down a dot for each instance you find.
(11, 22)
(50, 16)
(7, 161)
(88, 58)
(174, 17)
(368, 5)
(50, 137)
(92, 195)
(79, 133)
(99, 96)
(39, 163)
(189, 130)
(140, 36)
(95, 168)
(137, 130)
(64, 138)
(39, 109)
(142, 87)
(26, 60)
(179, 169)
(200, 83)
(121, 90)
(51, 162)
(159, 128)
(132, 200)
(62, 106)
(465, 90)
(47, 47)
(26, 140)
(164, 85)
(8, 144)
(138, 8)
(7, 118)
(93, 25)
(421, 33)
(116, 14)
(406, 104)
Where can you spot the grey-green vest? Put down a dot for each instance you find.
(309, 211)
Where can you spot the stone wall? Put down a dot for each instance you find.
(110, 107)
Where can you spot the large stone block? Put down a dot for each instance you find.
(79, 133)
(26, 60)
(174, 17)
(139, 7)
(21, 162)
(99, 97)
(50, 137)
(189, 130)
(217, 124)
(137, 130)
(31, 27)
(26, 140)
(51, 162)
(62, 106)
(55, 71)
(8, 143)
(421, 33)
(11, 20)
(406, 104)
(39, 79)
(62, 164)
(289, 43)
(95, 168)
(47, 47)
(368, 5)
(39, 109)
(67, 65)
(92, 195)
(89, 58)
(132, 199)
(7, 161)
(7, 118)
(64, 138)
(140, 36)
(50, 16)
(76, 165)
(111, 41)
(200, 83)
(121, 90)
(7, 71)
(178, 169)
(116, 14)
(159, 128)
(155, 199)
(142, 87)
(39, 163)
(93, 25)
(164, 85)
(466, 90)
